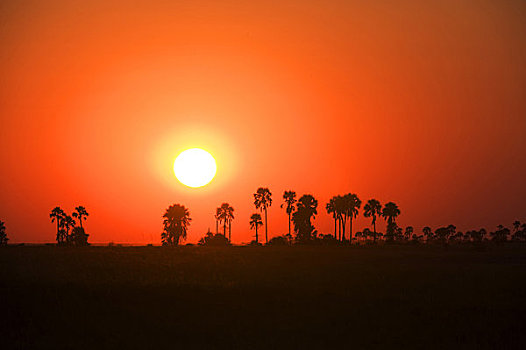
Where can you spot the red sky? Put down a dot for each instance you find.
(418, 102)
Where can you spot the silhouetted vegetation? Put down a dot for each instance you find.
(67, 232)
(263, 200)
(352, 205)
(214, 240)
(278, 241)
(372, 209)
(342, 208)
(79, 236)
(290, 200)
(346, 208)
(306, 210)
(3, 234)
(80, 213)
(255, 222)
(225, 215)
(176, 222)
(390, 212)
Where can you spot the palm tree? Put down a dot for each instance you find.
(255, 221)
(80, 213)
(305, 211)
(352, 203)
(371, 209)
(290, 198)
(3, 236)
(176, 222)
(57, 214)
(341, 214)
(390, 213)
(331, 209)
(263, 200)
(225, 213)
(68, 223)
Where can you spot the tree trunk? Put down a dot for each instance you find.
(224, 228)
(289, 226)
(257, 241)
(334, 228)
(374, 229)
(350, 228)
(80, 219)
(343, 229)
(217, 226)
(230, 231)
(266, 227)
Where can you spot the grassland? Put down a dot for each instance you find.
(263, 297)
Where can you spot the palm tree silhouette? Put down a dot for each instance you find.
(290, 198)
(352, 203)
(68, 223)
(57, 214)
(390, 212)
(306, 210)
(80, 213)
(371, 209)
(255, 221)
(331, 209)
(225, 213)
(341, 213)
(263, 200)
(176, 222)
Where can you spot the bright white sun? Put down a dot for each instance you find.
(195, 167)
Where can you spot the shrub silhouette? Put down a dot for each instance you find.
(79, 237)
(3, 235)
(215, 240)
(278, 241)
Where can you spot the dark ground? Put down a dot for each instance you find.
(257, 297)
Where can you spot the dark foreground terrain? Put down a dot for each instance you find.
(244, 297)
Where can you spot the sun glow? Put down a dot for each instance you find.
(195, 167)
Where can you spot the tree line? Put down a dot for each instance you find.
(344, 209)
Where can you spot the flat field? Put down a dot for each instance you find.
(263, 297)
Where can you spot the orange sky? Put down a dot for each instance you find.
(418, 102)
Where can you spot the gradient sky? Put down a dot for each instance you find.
(418, 102)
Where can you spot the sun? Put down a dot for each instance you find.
(195, 167)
